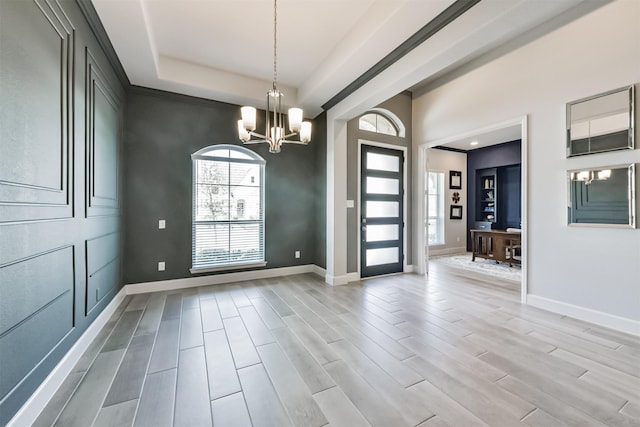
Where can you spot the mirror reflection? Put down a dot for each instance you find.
(601, 123)
(602, 196)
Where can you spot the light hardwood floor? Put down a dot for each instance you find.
(447, 350)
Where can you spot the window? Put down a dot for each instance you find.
(378, 123)
(435, 196)
(228, 207)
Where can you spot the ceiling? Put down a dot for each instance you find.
(223, 49)
(485, 138)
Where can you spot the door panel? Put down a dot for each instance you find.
(382, 192)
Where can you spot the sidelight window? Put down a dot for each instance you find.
(435, 196)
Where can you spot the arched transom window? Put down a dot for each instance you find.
(228, 208)
(381, 121)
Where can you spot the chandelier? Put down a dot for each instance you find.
(274, 134)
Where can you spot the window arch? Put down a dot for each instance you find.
(382, 121)
(228, 208)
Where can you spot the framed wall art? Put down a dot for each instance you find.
(455, 180)
(455, 212)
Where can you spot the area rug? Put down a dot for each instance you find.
(480, 265)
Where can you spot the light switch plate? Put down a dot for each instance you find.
(350, 204)
(162, 224)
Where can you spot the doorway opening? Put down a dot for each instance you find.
(492, 199)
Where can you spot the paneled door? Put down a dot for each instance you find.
(381, 222)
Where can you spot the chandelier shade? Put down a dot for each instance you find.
(274, 134)
(589, 176)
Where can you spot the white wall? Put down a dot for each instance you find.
(455, 231)
(592, 268)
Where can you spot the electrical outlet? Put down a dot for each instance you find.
(161, 266)
(162, 224)
(458, 239)
(297, 254)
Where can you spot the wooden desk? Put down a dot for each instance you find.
(493, 244)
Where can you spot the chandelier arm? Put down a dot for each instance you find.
(259, 135)
(294, 142)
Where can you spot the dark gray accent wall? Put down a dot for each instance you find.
(495, 156)
(162, 131)
(61, 120)
(401, 106)
(509, 197)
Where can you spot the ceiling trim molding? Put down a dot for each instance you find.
(445, 148)
(181, 97)
(95, 24)
(432, 27)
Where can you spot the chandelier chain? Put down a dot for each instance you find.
(275, 43)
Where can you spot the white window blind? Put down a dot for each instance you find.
(228, 207)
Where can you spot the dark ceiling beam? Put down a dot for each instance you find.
(432, 27)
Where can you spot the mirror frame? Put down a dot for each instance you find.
(631, 131)
(631, 195)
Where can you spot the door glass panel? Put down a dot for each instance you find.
(382, 256)
(383, 162)
(377, 233)
(382, 209)
(382, 185)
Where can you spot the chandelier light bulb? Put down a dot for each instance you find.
(295, 119)
(305, 132)
(604, 174)
(242, 132)
(249, 118)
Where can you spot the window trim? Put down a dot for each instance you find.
(255, 159)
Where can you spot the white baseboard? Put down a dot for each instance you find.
(217, 279)
(448, 251)
(319, 271)
(27, 415)
(355, 276)
(341, 280)
(335, 280)
(612, 321)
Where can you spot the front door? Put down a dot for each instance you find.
(381, 222)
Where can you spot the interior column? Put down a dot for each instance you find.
(336, 201)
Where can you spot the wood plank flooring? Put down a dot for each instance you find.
(446, 350)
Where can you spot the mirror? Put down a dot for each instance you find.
(604, 122)
(602, 196)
